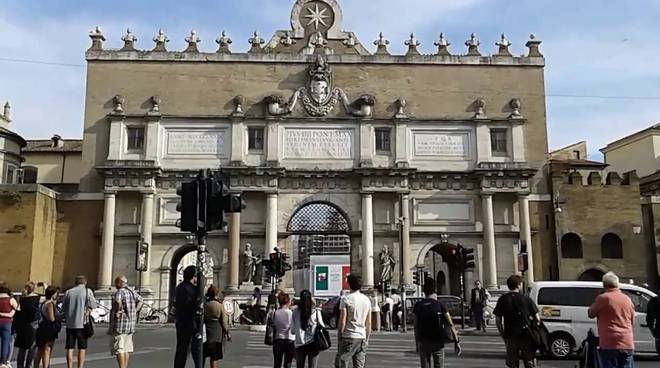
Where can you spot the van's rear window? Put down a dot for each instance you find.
(568, 296)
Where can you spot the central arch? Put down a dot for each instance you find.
(439, 259)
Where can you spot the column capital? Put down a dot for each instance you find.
(366, 193)
(109, 193)
(271, 194)
(148, 193)
(486, 194)
(523, 194)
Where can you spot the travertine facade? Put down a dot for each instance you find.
(451, 143)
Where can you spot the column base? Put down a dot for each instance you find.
(104, 292)
(145, 292)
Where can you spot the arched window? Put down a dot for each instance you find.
(611, 246)
(571, 246)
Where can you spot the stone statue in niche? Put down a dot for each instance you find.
(251, 264)
(387, 263)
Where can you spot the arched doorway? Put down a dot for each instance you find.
(183, 257)
(440, 261)
(319, 235)
(592, 274)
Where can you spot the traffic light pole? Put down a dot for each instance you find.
(402, 284)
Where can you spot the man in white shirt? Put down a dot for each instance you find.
(354, 326)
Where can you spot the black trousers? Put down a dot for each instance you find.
(283, 352)
(186, 341)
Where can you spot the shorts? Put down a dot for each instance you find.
(75, 336)
(121, 344)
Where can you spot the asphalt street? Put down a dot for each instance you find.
(155, 348)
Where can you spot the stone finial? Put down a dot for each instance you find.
(119, 102)
(318, 41)
(239, 101)
(401, 109)
(256, 41)
(155, 104)
(161, 41)
(515, 106)
(533, 46)
(97, 37)
(223, 42)
(381, 44)
(6, 112)
(480, 109)
(503, 45)
(350, 41)
(443, 45)
(129, 41)
(192, 41)
(287, 41)
(473, 46)
(412, 44)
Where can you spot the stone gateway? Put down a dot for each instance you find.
(337, 146)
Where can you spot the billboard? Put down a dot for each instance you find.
(330, 279)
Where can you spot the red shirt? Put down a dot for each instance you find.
(616, 316)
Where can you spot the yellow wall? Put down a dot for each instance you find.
(637, 155)
(50, 164)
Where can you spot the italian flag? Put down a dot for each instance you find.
(322, 278)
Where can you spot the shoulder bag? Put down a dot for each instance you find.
(446, 330)
(321, 335)
(88, 326)
(534, 331)
(269, 338)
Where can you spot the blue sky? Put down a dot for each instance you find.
(603, 48)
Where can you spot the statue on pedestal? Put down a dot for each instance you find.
(387, 263)
(251, 263)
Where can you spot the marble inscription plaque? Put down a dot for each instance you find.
(196, 143)
(330, 144)
(432, 211)
(441, 144)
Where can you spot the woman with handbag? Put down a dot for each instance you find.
(306, 317)
(216, 328)
(283, 340)
(49, 328)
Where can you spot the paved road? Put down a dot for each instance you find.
(386, 350)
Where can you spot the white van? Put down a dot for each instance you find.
(563, 307)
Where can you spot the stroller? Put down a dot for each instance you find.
(589, 352)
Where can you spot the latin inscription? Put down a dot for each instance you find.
(196, 143)
(332, 144)
(441, 144)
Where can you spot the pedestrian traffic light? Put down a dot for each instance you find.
(141, 256)
(468, 258)
(188, 193)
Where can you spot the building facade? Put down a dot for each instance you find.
(10, 149)
(337, 151)
(54, 162)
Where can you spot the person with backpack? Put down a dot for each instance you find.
(26, 322)
(516, 317)
(123, 318)
(305, 320)
(49, 327)
(433, 328)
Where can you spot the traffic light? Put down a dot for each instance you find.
(416, 278)
(141, 256)
(468, 258)
(188, 206)
(283, 266)
(215, 218)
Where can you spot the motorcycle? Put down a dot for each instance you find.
(252, 315)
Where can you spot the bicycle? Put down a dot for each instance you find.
(151, 315)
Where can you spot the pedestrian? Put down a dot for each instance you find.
(653, 320)
(185, 302)
(396, 309)
(388, 309)
(516, 315)
(431, 319)
(8, 307)
(375, 312)
(123, 318)
(305, 318)
(49, 327)
(216, 329)
(283, 339)
(615, 314)
(353, 327)
(478, 301)
(26, 322)
(77, 305)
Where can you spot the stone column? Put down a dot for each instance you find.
(405, 239)
(367, 241)
(526, 234)
(145, 234)
(107, 243)
(234, 251)
(489, 239)
(271, 223)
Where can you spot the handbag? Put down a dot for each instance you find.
(269, 338)
(446, 328)
(88, 326)
(321, 335)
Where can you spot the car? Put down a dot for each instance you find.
(563, 307)
(329, 311)
(451, 302)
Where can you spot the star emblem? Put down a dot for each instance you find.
(317, 16)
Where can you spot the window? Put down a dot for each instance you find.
(640, 300)
(383, 140)
(571, 246)
(576, 155)
(11, 170)
(498, 142)
(611, 246)
(135, 139)
(568, 296)
(256, 139)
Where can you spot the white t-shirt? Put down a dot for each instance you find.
(390, 302)
(396, 299)
(357, 306)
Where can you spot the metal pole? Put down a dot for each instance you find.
(199, 323)
(402, 285)
(462, 280)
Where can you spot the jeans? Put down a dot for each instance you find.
(478, 317)
(283, 351)
(431, 351)
(520, 348)
(185, 340)
(5, 342)
(351, 352)
(611, 358)
(307, 352)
